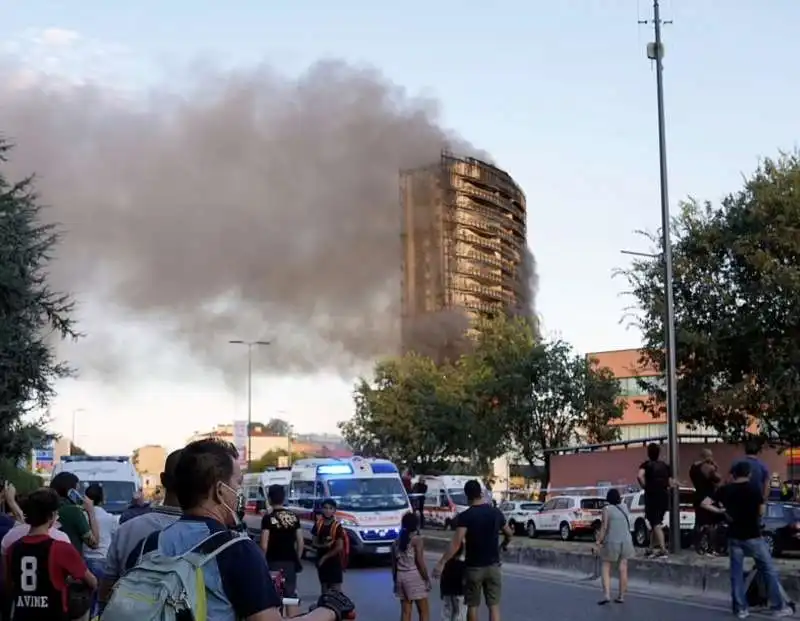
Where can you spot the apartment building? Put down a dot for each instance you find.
(636, 423)
(464, 241)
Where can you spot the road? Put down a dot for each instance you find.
(528, 594)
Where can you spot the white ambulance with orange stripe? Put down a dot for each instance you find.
(369, 495)
(445, 498)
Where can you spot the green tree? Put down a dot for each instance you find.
(737, 307)
(410, 413)
(270, 459)
(278, 427)
(30, 312)
(495, 386)
(568, 400)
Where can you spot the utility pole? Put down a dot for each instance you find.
(655, 52)
(250, 345)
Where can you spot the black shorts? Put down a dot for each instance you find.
(331, 572)
(289, 569)
(655, 508)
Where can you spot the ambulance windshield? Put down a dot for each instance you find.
(368, 494)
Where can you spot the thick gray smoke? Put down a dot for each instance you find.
(247, 206)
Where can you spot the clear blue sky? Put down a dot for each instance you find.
(560, 93)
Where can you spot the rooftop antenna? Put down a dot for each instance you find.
(655, 52)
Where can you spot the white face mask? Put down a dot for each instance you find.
(232, 511)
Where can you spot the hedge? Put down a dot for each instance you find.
(23, 480)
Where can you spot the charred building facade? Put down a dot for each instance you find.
(464, 248)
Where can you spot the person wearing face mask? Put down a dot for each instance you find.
(38, 566)
(237, 580)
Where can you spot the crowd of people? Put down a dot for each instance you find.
(64, 557)
(735, 501)
(468, 571)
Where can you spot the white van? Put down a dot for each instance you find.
(116, 475)
(445, 498)
(369, 495)
(254, 496)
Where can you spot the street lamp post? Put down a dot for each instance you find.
(250, 345)
(655, 52)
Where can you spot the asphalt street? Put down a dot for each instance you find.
(528, 595)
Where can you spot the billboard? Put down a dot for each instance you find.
(43, 458)
(240, 440)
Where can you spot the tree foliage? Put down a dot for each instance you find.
(411, 412)
(30, 314)
(278, 427)
(569, 401)
(508, 393)
(737, 307)
(270, 459)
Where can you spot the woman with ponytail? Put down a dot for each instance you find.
(409, 572)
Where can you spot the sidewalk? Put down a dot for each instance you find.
(685, 570)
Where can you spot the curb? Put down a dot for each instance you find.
(702, 578)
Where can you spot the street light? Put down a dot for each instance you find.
(655, 52)
(72, 443)
(250, 345)
(647, 255)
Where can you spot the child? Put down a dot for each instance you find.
(451, 587)
(329, 542)
(409, 572)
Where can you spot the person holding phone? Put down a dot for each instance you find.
(75, 512)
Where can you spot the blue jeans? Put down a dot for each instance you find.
(757, 550)
(97, 566)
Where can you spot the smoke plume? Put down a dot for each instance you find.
(247, 206)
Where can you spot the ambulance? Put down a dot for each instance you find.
(369, 495)
(254, 496)
(116, 475)
(445, 498)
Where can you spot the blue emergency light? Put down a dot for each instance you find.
(335, 469)
(384, 468)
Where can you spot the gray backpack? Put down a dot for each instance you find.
(167, 588)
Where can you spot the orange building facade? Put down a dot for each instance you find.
(637, 424)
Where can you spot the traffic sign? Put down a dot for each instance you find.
(44, 455)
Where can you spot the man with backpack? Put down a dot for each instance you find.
(197, 568)
(332, 547)
(123, 553)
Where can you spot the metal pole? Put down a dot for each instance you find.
(669, 306)
(249, 405)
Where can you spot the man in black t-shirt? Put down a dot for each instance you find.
(478, 528)
(655, 477)
(419, 490)
(282, 542)
(743, 507)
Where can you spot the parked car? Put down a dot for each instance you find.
(568, 516)
(640, 528)
(519, 513)
(782, 527)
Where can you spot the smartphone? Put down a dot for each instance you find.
(75, 496)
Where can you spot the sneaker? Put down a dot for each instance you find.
(743, 614)
(783, 612)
